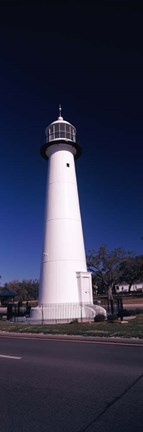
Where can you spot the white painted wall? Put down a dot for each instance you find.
(63, 251)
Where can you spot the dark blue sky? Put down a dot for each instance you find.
(88, 56)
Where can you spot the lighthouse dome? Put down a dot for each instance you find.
(60, 129)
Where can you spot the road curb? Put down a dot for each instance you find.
(73, 338)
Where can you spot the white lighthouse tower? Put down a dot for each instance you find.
(65, 291)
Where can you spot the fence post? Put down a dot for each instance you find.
(42, 315)
(81, 311)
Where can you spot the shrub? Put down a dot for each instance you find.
(74, 321)
(131, 312)
(112, 317)
(99, 318)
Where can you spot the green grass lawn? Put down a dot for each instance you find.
(134, 328)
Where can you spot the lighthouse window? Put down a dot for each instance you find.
(62, 126)
(62, 130)
(56, 131)
(68, 132)
(68, 165)
(63, 135)
(51, 134)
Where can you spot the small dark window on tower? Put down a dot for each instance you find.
(68, 165)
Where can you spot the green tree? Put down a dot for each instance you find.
(131, 270)
(25, 289)
(105, 266)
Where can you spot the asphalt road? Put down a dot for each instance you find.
(70, 386)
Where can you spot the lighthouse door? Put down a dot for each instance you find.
(85, 287)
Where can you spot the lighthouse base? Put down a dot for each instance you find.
(66, 312)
